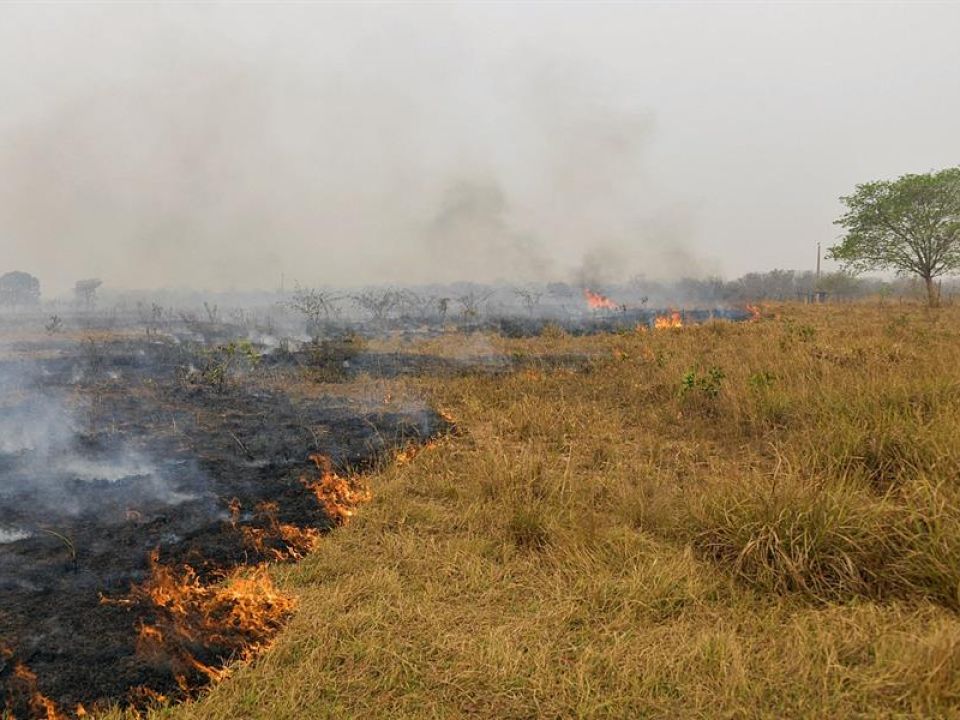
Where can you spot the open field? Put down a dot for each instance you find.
(732, 520)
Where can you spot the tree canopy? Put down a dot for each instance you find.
(19, 288)
(86, 291)
(910, 225)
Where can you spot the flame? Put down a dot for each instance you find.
(671, 320)
(754, 311)
(142, 695)
(409, 452)
(19, 691)
(223, 621)
(337, 495)
(596, 301)
(280, 541)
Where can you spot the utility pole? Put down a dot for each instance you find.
(818, 263)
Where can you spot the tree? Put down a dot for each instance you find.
(910, 225)
(18, 289)
(86, 292)
(315, 305)
(471, 302)
(530, 297)
(379, 303)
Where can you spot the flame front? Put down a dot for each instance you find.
(408, 453)
(217, 622)
(337, 495)
(596, 301)
(274, 539)
(671, 320)
(19, 693)
(195, 628)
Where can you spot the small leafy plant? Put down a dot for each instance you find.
(220, 362)
(706, 385)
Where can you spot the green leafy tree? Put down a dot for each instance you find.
(910, 225)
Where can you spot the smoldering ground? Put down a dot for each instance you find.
(110, 453)
(53, 458)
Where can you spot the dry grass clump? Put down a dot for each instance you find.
(825, 542)
(834, 541)
(751, 520)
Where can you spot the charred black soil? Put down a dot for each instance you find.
(112, 450)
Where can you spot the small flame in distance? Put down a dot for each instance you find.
(671, 320)
(596, 301)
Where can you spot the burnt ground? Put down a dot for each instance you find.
(109, 451)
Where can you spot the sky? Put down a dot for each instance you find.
(224, 146)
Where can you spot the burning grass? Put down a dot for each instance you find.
(673, 319)
(19, 696)
(338, 496)
(271, 538)
(197, 628)
(754, 520)
(152, 464)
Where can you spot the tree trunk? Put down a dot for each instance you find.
(933, 292)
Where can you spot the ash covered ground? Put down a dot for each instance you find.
(113, 448)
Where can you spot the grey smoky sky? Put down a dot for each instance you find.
(220, 145)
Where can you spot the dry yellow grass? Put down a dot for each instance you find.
(754, 520)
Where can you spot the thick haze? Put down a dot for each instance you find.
(219, 146)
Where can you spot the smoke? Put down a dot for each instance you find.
(220, 147)
(472, 229)
(50, 457)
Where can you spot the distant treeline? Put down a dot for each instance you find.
(21, 291)
(787, 285)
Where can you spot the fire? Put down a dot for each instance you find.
(337, 495)
(754, 311)
(142, 695)
(280, 541)
(672, 320)
(409, 452)
(19, 691)
(217, 622)
(596, 301)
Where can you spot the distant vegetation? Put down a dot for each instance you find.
(910, 225)
(85, 292)
(19, 289)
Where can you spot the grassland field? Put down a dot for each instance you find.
(732, 520)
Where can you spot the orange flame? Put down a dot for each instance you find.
(227, 620)
(671, 320)
(277, 540)
(408, 453)
(19, 692)
(142, 695)
(337, 495)
(596, 301)
(754, 311)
